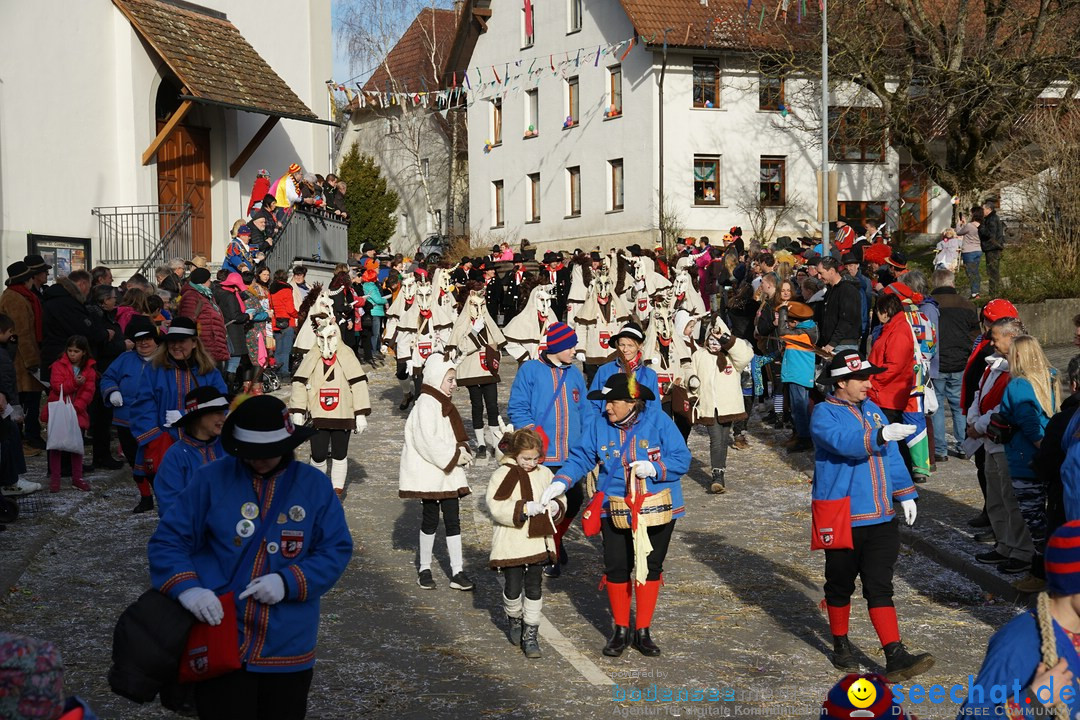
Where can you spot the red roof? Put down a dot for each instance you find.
(725, 24)
(420, 54)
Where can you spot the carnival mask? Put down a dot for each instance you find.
(543, 301)
(423, 296)
(446, 284)
(475, 305)
(328, 336)
(602, 283)
(408, 287)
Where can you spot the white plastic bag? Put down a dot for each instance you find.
(64, 431)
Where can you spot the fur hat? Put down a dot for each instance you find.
(435, 369)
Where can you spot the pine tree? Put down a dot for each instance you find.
(371, 205)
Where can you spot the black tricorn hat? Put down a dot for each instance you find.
(619, 387)
(260, 428)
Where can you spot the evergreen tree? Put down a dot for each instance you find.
(371, 205)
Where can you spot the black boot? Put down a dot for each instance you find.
(901, 665)
(529, 644)
(843, 655)
(515, 629)
(620, 640)
(718, 487)
(146, 504)
(405, 402)
(481, 452)
(643, 643)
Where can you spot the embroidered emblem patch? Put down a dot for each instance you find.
(292, 542)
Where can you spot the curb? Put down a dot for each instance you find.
(988, 581)
(43, 533)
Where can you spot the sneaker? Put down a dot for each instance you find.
(425, 580)
(461, 581)
(1030, 584)
(1013, 566)
(22, 487)
(991, 558)
(974, 296)
(916, 478)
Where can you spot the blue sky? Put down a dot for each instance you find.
(341, 61)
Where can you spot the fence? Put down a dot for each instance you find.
(143, 235)
(310, 237)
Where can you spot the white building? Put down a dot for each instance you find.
(589, 171)
(86, 88)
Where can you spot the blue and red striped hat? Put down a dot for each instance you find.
(1063, 560)
(560, 336)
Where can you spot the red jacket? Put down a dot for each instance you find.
(281, 303)
(62, 375)
(208, 319)
(894, 350)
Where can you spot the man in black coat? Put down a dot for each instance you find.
(958, 326)
(511, 287)
(66, 314)
(841, 324)
(558, 276)
(492, 288)
(992, 240)
(1050, 457)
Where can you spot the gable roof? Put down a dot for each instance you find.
(420, 54)
(718, 24)
(212, 59)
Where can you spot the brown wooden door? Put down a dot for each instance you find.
(183, 163)
(913, 184)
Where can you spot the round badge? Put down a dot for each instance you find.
(249, 510)
(272, 548)
(281, 519)
(245, 528)
(297, 513)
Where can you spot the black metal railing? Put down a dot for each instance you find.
(143, 235)
(309, 236)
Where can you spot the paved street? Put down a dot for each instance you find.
(739, 612)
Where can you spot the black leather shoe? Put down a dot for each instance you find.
(146, 504)
(986, 537)
(644, 644)
(979, 521)
(620, 640)
(843, 655)
(552, 571)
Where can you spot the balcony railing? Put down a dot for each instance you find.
(143, 235)
(310, 237)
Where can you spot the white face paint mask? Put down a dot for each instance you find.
(603, 289)
(328, 336)
(543, 302)
(663, 322)
(408, 287)
(476, 305)
(423, 296)
(682, 284)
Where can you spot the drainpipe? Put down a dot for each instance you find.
(663, 72)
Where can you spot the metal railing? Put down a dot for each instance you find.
(143, 235)
(309, 237)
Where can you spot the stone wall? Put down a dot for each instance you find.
(1051, 321)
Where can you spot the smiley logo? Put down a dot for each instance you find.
(862, 693)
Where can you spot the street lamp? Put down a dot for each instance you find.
(825, 204)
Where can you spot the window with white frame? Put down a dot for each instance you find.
(497, 206)
(573, 191)
(614, 91)
(532, 112)
(706, 179)
(496, 121)
(534, 198)
(438, 221)
(574, 15)
(615, 168)
(403, 224)
(528, 24)
(573, 101)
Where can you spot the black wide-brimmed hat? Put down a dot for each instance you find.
(18, 272)
(631, 331)
(260, 428)
(36, 263)
(181, 328)
(200, 401)
(141, 327)
(619, 387)
(550, 257)
(848, 365)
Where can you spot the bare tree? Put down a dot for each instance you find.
(766, 219)
(671, 224)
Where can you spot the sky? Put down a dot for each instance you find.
(341, 60)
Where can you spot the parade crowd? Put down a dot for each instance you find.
(881, 372)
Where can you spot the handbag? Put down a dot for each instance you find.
(65, 434)
(1000, 430)
(591, 518)
(213, 650)
(281, 324)
(831, 524)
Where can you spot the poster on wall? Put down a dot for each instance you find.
(65, 254)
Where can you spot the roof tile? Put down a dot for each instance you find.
(420, 54)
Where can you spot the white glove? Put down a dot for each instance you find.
(298, 419)
(910, 511)
(897, 431)
(464, 458)
(267, 589)
(203, 604)
(554, 490)
(552, 507)
(171, 416)
(361, 424)
(17, 413)
(533, 508)
(505, 427)
(580, 356)
(643, 468)
(116, 399)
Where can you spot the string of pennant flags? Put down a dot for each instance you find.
(501, 79)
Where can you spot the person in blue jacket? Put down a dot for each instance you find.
(199, 444)
(179, 365)
(270, 529)
(1032, 662)
(637, 442)
(120, 385)
(627, 359)
(856, 456)
(548, 395)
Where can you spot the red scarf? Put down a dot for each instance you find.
(35, 303)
